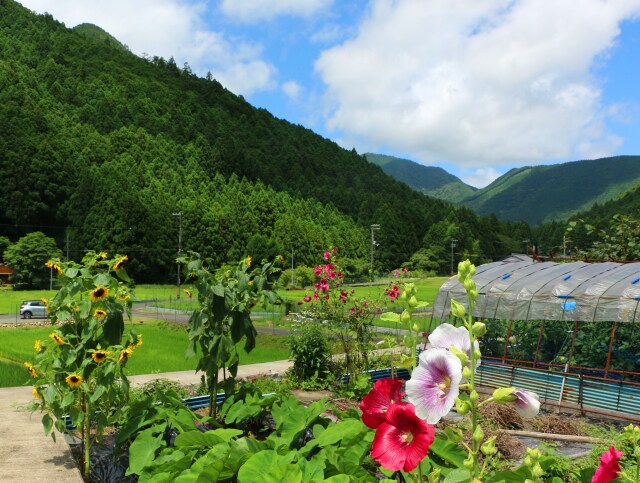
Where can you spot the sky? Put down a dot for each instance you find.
(476, 87)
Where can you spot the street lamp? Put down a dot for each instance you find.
(454, 243)
(179, 215)
(373, 245)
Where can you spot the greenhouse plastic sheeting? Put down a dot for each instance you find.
(520, 289)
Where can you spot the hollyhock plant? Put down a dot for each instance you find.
(609, 466)
(434, 384)
(374, 406)
(527, 403)
(402, 440)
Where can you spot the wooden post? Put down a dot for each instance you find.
(613, 334)
(535, 359)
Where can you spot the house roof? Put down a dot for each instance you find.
(4, 270)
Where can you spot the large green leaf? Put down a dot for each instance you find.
(210, 438)
(143, 449)
(447, 452)
(390, 317)
(269, 467)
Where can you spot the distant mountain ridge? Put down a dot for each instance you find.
(556, 192)
(429, 180)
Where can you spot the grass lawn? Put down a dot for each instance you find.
(162, 350)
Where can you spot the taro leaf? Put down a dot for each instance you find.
(341, 479)
(269, 467)
(241, 411)
(312, 469)
(207, 467)
(390, 317)
(143, 450)
(338, 432)
(210, 438)
(292, 418)
(114, 328)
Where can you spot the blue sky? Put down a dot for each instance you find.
(476, 87)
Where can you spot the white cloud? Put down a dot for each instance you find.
(170, 28)
(292, 89)
(481, 177)
(259, 10)
(477, 83)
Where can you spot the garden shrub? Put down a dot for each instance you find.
(310, 353)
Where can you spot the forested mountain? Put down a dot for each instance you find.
(430, 180)
(103, 149)
(599, 215)
(556, 192)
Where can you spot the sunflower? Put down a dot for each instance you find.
(49, 264)
(100, 356)
(74, 380)
(118, 265)
(125, 354)
(102, 256)
(38, 346)
(57, 339)
(36, 393)
(188, 294)
(31, 370)
(99, 314)
(99, 293)
(248, 261)
(58, 268)
(45, 302)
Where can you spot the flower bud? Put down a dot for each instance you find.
(473, 294)
(453, 434)
(478, 434)
(403, 295)
(504, 395)
(469, 463)
(457, 309)
(413, 302)
(462, 407)
(477, 354)
(405, 317)
(466, 372)
(474, 396)
(488, 448)
(464, 358)
(528, 461)
(469, 284)
(416, 328)
(479, 329)
(434, 476)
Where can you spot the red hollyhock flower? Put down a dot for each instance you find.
(402, 440)
(375, 405)
(609, 466)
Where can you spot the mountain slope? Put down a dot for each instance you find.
(101, 148)
(555, 192)
(432, 181)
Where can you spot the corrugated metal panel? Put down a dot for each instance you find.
(577, 390)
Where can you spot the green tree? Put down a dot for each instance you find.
(28, 257)
(4, 244)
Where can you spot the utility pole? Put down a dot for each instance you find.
(454, 243)
(179, 215)
(373, 245)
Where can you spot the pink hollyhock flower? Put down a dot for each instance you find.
(374, 406)
(446, 336)
(352, 310)
(335, 249)
(609, 466)
(340, 275)
(307, 298)
(393, 292)
(327, 255)
(396, 273)
(406, 270)
(343, 296)
(527, 403)
(434, 384)
(317, 271)
(402, 440)
(315, 296)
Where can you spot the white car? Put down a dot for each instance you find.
(33, 308)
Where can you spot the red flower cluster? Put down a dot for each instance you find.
(326, 273)
(393, 292)
(402, 439)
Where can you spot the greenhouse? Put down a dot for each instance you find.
(568, 331)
